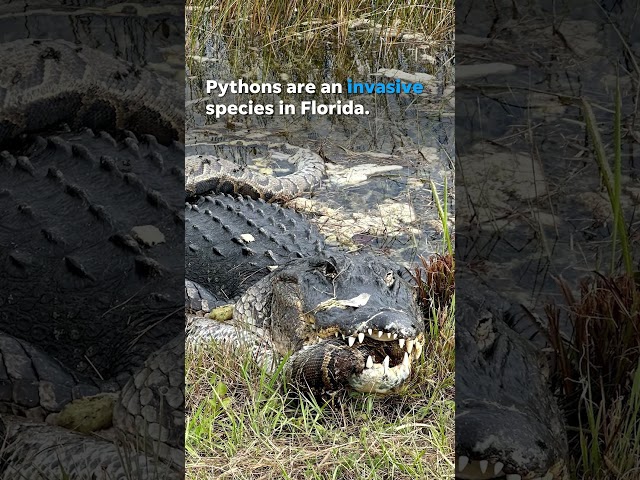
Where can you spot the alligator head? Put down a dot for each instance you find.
(508, 424)
(349, 321)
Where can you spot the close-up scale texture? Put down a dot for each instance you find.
(91, 240)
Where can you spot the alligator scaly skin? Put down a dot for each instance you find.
(230, 242)
(70, 210)
(92, 254)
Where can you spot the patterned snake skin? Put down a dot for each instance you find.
(213, 173)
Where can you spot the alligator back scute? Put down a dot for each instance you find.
(235, 249)
(74, 260)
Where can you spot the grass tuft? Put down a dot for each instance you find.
(435, 282)
(599, 373)
(290, 34)
(611, 180)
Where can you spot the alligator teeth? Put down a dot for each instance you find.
(410, 345)
(381, 336)
(361, 337)
(352, 340)
(405, 360)
(343, 337)
(369, 362)
(401, 342)
(482, 466)
(337, 334)
(418, 350)
(385, 363)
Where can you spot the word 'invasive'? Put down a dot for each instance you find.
(388, 88)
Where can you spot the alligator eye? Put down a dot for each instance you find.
(389, 279)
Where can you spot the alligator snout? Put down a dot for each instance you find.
(497, 441)
(388, 344)
(508, 424)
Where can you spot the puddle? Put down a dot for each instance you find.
(520, 241)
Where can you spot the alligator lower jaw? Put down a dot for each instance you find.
(467, 469)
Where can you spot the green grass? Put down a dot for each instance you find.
(612, 185)
(443, 213)
(291, 35)
(242, 422)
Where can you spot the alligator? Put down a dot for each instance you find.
(349, 321)
(91, 248)
(508, 423)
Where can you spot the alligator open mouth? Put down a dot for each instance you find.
(482, 469)
(508, 423)
(388, 359)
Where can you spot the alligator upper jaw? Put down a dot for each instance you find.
(506, 442)
(413, 345)
(482, 469)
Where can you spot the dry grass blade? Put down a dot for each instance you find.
(599, 369)
(435, 281)
(291, 33)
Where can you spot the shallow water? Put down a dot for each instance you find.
(379, 166)
(564, 228)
